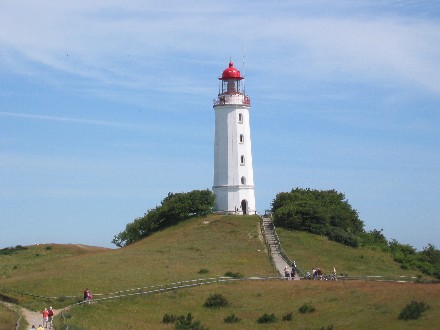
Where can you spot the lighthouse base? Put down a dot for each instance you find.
(234, 199)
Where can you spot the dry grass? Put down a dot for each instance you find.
(345, 305)
(218, 244)
(8, 318)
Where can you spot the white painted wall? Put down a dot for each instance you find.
(228, 150)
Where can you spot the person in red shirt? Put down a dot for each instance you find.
(86, 294)
(45, 317)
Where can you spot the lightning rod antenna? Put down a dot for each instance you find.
(244, 75)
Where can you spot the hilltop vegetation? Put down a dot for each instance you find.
(328, 213)
(173, 209)
(318, 212)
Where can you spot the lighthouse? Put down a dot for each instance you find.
(233, 173)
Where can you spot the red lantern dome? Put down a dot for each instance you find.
(231, 73)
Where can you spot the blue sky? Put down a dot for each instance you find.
(106, 106)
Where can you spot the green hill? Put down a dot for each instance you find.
(210, 247)
(312, 251)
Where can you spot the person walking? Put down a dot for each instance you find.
(287, 272)
(45, 317)
(334, 274)
(50, 320)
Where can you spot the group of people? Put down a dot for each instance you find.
(290, 273)
(47, 319)
(318, 275)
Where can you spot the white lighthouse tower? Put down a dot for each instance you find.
(233, 173)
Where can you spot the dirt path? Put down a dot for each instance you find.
(32, 318)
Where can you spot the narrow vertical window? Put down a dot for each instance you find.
(241, 138)
(242, 160)
(240, 118)
(243, 180)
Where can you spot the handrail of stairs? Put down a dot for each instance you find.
(283, 253)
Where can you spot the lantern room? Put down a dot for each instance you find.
(230, 80)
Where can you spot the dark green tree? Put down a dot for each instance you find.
(432, 255)
(174, 208)
(324, 212)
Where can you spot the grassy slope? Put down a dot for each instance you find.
(345, 305)
(317, 251)
(219, 244)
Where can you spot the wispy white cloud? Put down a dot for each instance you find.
(133, 45)
(71, 120)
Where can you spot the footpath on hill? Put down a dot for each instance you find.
(274, 246)
(32, 318)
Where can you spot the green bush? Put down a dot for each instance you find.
(234, 275)
(11, 250)
(169, 318)
(267, 318)
(413, 310)
(288, 316)
(203, 271)
(216, 300)
(231, 319)
(187, 323)
(306, 308)
(341, 236)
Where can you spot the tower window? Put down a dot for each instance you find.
(241, 138)
(240, 118)
(243, 180)
(242, 160)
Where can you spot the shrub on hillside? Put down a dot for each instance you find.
(374, 239)
(267, 318)
(169, 318)
(341, 236)
(306, 308)
(183, 322)
(231, 319)
(173, 209)
(216, 300)
(234, 275)
(413, 310)
(288, 316)
(187, 323)
(431, 255)
(11, 250)
(426, 261)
